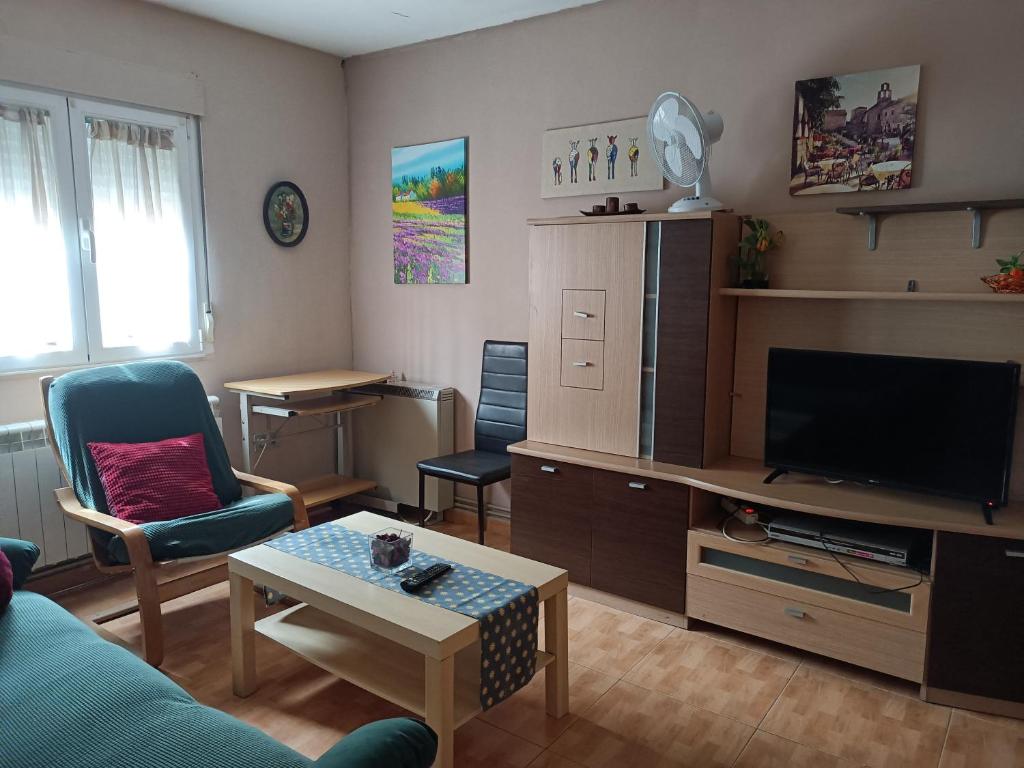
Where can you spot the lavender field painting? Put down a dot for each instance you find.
(428, 212)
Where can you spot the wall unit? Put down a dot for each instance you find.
(953, 628)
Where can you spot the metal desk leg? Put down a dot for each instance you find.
(345, 465)
(243, 402)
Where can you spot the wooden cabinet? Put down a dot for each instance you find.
(639, 539)
(977, 622)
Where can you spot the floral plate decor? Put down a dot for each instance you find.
(1011, 275)
(285, 214)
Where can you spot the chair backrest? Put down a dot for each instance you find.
(132, 403)
(501, 412)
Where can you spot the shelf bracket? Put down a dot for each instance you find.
(872, 230)
(975, 227)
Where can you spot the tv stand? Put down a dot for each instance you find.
(775, 475)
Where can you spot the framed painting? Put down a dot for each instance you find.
(598, 159)
(428, 212)
(854, 133)
(285, 214)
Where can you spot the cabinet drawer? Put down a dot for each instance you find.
(639, 531)
(583, 314)
(883, 647)
(582, 364)
(798, 573)
(551, 509)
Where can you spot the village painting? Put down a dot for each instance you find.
(598, 159)
(428, 212)
(856, 132)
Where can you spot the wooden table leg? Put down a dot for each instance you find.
(243, 635)
(440, 707)
(556, 641)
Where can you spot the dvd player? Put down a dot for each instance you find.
(845, 537)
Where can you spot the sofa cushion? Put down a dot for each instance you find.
(162, 480)
(6, 582)
(240, 523)
(384, 744)
(23, 555)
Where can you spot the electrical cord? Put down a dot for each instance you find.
(725, 532)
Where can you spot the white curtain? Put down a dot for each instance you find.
(142, 254)
(35, 312)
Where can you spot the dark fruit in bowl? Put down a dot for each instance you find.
(389, 549)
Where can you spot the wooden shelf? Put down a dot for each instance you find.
(328, 488)
(338, 403)
(374, 663)
(788, 293)
(621, 217)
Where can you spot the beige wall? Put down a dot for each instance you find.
(503, 87)
(272, 111)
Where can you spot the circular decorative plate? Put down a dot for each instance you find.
(285, 214)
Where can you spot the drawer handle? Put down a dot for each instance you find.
(1015, 553)
(548, 468)
(796, 613)
(584, 315)
(582, 363)
(638, 486)
(797, 559)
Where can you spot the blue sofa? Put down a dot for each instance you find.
(72, 699)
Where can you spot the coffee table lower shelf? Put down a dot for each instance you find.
(373, 663)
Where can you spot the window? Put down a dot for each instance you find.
(101, 237)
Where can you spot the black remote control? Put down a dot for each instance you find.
(424, 577)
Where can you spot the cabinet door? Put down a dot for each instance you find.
(639, 532)
(595, 270)
(977, 625)
(551, 510)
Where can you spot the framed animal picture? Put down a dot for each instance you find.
(598, 159)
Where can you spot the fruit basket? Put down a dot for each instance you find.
(390, 548)
(1004, 283)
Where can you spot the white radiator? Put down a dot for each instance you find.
(412, 422)
(28, 508)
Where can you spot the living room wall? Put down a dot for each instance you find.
(272, 111)
(503, 87)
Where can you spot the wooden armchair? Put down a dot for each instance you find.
(144, 402)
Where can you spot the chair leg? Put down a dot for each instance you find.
(481, 513)
(423, 512)
(150, 616)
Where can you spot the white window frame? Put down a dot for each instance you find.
(70, 140)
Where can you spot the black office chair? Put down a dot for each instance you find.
(500, 420)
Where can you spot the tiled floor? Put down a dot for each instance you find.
(642, 694)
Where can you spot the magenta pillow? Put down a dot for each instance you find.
(6, 582)
(165, 480)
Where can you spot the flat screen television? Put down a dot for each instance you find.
(922, 424)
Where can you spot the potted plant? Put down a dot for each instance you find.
(754, 250)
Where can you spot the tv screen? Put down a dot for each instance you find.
(923, 424)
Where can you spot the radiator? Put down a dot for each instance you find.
(412, 422)
(28, 508)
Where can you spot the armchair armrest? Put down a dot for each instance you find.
(133, 535)
(266, 485)
(400, 742)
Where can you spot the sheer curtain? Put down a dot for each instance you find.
(35, 311)
(142, 254)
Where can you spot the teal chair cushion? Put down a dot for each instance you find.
(239, 523)
(133, 403)
(23, 555)
(73, 700)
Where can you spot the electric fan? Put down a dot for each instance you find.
(681, 139)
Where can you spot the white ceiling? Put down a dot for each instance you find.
(350, 27)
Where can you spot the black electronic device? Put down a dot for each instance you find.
(416, 582)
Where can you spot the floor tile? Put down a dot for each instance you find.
(524, 714)
(765, 750)
(610, 640)
(481, 745)
(759, 644)
(975, 741)
(858, 722)
(632, 726)
(728, 679)
(550, 760)
(862, 675)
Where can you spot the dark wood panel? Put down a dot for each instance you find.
(977, 622)
(551, 514)
(639, 539)
(680, 376)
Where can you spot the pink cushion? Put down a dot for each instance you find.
(165, 480)
(6, 581)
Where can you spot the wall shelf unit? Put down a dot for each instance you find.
(974, 207)
(789, 293)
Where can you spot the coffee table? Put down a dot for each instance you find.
(421, 657)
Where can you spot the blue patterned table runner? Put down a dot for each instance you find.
(505, 608)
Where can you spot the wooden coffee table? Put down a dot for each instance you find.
(421, 657)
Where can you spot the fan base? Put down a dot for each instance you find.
(693, 204)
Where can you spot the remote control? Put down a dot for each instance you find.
(424, 577)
